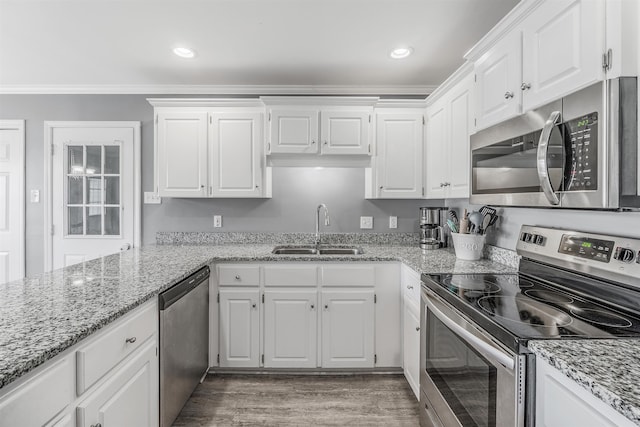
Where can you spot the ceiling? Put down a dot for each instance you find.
(242, 46)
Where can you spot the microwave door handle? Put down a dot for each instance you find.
(500, 356)
(542, 162)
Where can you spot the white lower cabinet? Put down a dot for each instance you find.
(561, 402)
(239, 328)
(348, 328)
(290, 328)
(128, 398)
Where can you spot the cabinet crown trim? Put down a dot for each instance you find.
(321, 101)
(205, 102)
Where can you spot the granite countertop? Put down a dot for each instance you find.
(609, 369)
(43, 315)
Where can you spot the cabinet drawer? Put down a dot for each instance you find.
(40, 398)
(411, 284)
(290, 275)
(110, 347)
(239, 275)
(349, 275)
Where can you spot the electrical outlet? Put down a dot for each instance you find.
(151, 198)
(366, 222)
(35, 196)
(217, 221)
(393, 222)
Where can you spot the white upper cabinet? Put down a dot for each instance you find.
(293, 130)
(449, 124)
(181, 141)
(398, 161)
(498, 80)
(345, 132)
(563, 44)
(236, 154)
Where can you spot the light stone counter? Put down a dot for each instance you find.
(43, 315)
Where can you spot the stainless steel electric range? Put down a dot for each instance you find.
(475, 367)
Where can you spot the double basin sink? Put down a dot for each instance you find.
(317, 250)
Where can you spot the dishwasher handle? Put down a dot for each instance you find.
(180, 289)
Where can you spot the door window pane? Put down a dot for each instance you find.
(112, 221)
(112, 159)
(94, 190)
(75, 190)
(75, 221)
(94, 220)
(112, 190)
(74, 160)
(94, 160)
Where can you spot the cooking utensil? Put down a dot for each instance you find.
(454, 217)
(464, 223)
(486, 220)
(487, 210)
(476, 218)
(452, 225)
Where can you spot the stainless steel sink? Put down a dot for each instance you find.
(322, 250)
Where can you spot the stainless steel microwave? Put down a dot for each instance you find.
(579, 152)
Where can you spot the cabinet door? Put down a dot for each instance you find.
(293, 130)
(411, 345)
(437, 160)
(560, 402)
(182, 154)
(498, 80)
(239, 328)
(460, 123)
(129, 398)
(236, 154)
(563, 45)
(345, 132)
(399, 139)
(347, 328)
(290, 325)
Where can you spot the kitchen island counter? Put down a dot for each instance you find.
(43, 315)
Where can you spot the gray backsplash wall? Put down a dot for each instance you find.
(296, 191)
(511, 219)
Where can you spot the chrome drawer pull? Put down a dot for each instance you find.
(409, 287)
(130, 340)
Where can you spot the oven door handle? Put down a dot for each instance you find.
(503, 358)
(542, 159)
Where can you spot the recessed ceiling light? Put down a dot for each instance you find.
(184, 52)
(401, 52)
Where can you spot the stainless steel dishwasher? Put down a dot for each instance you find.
(184, 342)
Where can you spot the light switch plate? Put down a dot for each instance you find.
(151, 198)
(366, 222)
(217, 221)
(393, 222)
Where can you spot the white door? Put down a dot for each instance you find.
(345, 132)
(460, 123)
(411, 345)
(347, 329)
(293, 130)
(11, 200)
(437, 149)
(94, 191)
(499, 77)
(239, 328)
(236, 154)
(399, 139)
(563, 45)
(290, 328)
(182, 153)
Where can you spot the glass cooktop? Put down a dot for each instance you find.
(516, 308)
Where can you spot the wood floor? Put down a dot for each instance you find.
(301, 400)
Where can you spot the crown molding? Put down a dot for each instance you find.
(254, 90)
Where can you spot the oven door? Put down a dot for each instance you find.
(465, 377)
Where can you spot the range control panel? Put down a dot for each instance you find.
(598, 254)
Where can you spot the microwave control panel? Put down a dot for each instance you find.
(581, 172)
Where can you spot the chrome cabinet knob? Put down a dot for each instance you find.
(312, 307)
(525, 86)
(237, 277)
(508, 95)
(418, 328)
(326, 143)
(313, 142)
(202, 186)
(409, 287)
(253, 305)
(130, 340)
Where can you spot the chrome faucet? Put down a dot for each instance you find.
(326, 221)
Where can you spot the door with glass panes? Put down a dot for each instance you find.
(92, 175)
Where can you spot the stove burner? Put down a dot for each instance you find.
(601, 317)
(532, 313)
(525, 283)
(548, 296)
(472, 285)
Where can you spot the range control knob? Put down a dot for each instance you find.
(624, 255)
